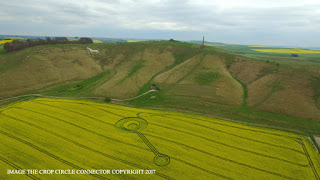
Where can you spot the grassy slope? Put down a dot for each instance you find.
(242, 87)
(286, 84)
(246, 72)
(43, 66)
(68, 134)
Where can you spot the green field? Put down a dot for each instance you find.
(277, 54)
(72, 134)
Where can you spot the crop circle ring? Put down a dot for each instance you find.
(131, 124)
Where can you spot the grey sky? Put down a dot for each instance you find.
(261, 22)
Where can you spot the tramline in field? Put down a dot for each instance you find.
(72, 134)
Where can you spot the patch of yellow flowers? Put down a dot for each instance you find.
(133, 40)
(290, 50)
(97, 41)
(5, 41)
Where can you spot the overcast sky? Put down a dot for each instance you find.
(256, 22)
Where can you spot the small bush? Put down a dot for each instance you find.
(107, 99)
(154, 86)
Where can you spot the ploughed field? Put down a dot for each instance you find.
(73, 134)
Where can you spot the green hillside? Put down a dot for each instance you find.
(273, 92)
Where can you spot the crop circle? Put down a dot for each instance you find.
(161, 160)
(131, 124)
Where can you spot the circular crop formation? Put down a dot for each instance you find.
(131, 124)
(161, 160)
(135, 125)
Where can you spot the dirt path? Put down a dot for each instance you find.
(134, 97)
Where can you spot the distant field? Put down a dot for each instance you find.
(133, 40)
(261, 46)
(214, 45)
(289, 50)
(276, 54)
(97, 41)
(5, 41)
(14, 38)
(71, 134)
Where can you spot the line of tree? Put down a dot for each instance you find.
(17, 45)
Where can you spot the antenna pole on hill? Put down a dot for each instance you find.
(202, 46)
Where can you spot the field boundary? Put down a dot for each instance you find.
(61, 97)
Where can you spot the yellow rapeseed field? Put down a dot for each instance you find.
(289, 50)
(73, 134)
(214, 45)
(5, 41)
(133, 40)
(97, 41)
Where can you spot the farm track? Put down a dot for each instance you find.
(222, 158)
(47, 153)
(17, 167)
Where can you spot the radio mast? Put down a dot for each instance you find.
(202, 46)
